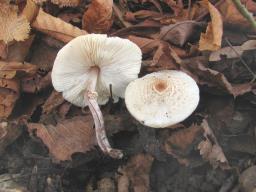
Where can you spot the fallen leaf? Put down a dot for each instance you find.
(3, 50)
(9, 93)
(250, 5)
(232, 52)
(35, 83)
(247, 179)
(211, 40)
(98, 17)
(181, 140)
(19, 50)
(56, 27)
(8, 183)
(9, 70)
(30, 11)
(145, 44)
(53, 102)
(12, 26)
(211, 150)
(232, 17)
(67, 137)
(106, 184)
(181, 32)
(199, 70)
(9, 132)
(136, 174)
(140, 15)
(176, 6)
(66, 3)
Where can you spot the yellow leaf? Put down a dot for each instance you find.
(12, 26)
(211, 40)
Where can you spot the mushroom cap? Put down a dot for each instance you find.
(162, 99)
(119, 61)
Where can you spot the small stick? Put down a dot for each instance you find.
(101, 136)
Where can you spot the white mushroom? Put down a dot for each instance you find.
(162, 99)
(87, 66)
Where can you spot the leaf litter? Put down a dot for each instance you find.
(196, 37)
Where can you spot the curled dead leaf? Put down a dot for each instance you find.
(198, 69)
(30, 11)
(211, 150)
(140, 15)
(180, 142)
(211, 40)
(56, 27)
(55, 100)
(9, 70)
(36, 83)
(67, 137)
(232, 17)
(181, 32)
(98, 17)
(66, 3)
(135, 174)
(9, 132)
(232, 52)
(12, 26)
(9, 93)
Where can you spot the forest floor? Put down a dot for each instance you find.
(49, 145)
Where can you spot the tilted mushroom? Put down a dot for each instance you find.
(162, 99)
(85, 68)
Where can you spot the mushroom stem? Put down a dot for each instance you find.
(91, 97)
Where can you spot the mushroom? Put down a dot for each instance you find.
(87, 66)
(162, 99)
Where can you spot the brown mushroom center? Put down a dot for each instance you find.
(160, 86)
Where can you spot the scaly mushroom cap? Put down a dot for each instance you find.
(162, 99)
(119, 61)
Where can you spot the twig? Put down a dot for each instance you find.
(242, 9)
(242, 60)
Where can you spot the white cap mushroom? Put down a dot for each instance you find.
(162, 99)
(87, 66)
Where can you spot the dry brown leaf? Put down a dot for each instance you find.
(12, 26)
(135, 175)
(67, 137)
(56, 27)
(9, 132)
(30, 11)
(211, 40)
(141, 15)
(3, 50)
(19, 50)
(35, 83)
(9, 93)
(52, 102)
(180, 33)
(98, 17)
(199, 70)
(232, 17)
(176, 6)
(9, 70)
(145, 44)
(211, 150)
(181, 139)
(66, 3)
